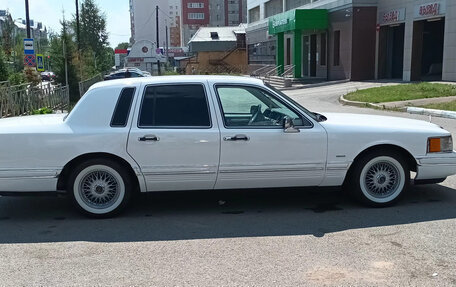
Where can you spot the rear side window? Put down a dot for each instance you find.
(122, 110)
(175, 106)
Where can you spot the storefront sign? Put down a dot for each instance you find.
(298, 19)
(393, 16)
(430, 9)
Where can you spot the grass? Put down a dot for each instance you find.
(402, 93)
(450, 106)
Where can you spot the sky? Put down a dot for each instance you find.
(49, 12)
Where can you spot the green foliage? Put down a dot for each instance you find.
(16, 79)
(94, 38)
(42, 111)
(449, 106)
(402, 93)
(3, 67)
(123, 45)
(170, 73)
(32, 76)
(58, 59)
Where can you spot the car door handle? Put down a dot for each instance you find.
(149, 138)
(237, 138)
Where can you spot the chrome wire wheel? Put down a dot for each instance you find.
(99, 189)
(382, 179)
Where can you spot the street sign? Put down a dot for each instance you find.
(39, 63)
(29, 47)
(29, 60)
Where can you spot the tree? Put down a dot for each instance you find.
(93, 36)
(8, 41)
(58, 59)
(123, 46)
(3, 67)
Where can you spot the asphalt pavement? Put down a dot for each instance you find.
(281, 237)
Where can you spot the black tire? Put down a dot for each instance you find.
(100, 188)
(379, 178)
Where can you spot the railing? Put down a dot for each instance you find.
(85, 85)
(24, 99)
(288, 71)
(259, 72)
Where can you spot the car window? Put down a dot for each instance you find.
(245, 106)
(175, 106)
(122, 110)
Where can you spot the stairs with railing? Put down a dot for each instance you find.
(271, 75)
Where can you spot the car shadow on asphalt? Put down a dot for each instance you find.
(217, 214)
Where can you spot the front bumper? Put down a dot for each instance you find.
(436, 166)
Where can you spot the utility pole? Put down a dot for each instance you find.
(78, 35)
(158, 39)
(27, 18)
(66, 64)
(167, 59)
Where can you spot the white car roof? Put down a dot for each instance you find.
(175, 79)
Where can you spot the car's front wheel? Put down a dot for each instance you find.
(100, 187)
(380, 178)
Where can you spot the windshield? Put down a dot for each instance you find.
(306, 111)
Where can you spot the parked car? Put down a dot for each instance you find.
(125, 73)
(212, 132)
(47, 76)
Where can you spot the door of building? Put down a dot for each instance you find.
(313, 55)
(305, 56)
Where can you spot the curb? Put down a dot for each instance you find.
(322, 84)
(410, 110)
(344, 101)
(432, 112)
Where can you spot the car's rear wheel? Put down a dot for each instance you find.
(380, 178)
(100, 187)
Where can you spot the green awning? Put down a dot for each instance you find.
(299, 19)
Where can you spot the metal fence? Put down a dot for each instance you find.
(24, 99)
(85, 85)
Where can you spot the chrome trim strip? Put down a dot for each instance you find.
(270, 170)
(28, 177)
(178, 173)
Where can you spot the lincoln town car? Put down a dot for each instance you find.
(209, 133)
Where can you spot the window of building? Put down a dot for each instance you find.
(291, 4)
(122, 110)
(254, 14)
(195, 16)
(336, 48)
(323, 49)
(174, 106)
(273, 7)
(195, 5)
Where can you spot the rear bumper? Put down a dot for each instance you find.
(436, 166)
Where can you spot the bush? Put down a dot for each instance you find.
(16, 79)
(42, 111)
(32, 77)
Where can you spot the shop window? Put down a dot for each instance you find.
(336, 48)
(323, 49)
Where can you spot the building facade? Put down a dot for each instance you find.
(195, 14)
(355, 39)
(227, 13)
(143, 21)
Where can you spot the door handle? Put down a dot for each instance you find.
(149, 138)
(237, 138)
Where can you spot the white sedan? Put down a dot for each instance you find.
(210, 132)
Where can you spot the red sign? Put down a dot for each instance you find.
(121, 51)
(29, 60)
(391, 16)
(429, 9)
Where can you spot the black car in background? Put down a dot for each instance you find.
(125, 73)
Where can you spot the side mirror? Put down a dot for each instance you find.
(288, 125)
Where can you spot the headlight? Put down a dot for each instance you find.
(441, 144)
